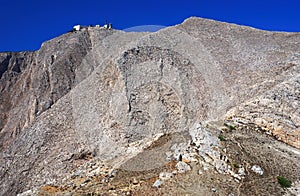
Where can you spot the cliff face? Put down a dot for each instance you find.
(106, 94)
(31, 82)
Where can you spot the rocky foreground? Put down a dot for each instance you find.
(200, 108)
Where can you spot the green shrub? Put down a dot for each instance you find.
(231, 127)
(235, 165)
(285, 183)
(221, 138)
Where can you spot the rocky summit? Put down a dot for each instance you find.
(200, 108)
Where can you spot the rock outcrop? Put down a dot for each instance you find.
(107, 95)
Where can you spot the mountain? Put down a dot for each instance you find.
(200, 108)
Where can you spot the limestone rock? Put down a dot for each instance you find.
(182, 167)
(165, 175)
(241, 171)
(157, 183)
(107, 94)
(257, 169)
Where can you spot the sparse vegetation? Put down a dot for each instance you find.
(285, 183)
(230, 126)
(194, 125)
(235, 165)
(221, 138)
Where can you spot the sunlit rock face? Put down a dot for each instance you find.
(106, 94)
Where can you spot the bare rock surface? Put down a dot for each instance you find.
(103, 111)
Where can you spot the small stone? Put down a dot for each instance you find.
(200, 172)
(174, 147)
(241, 171)
(214, 190)
(236, 176)
(169, 156)
(26, 193)
(257, 169)
(87, 180)
(106, 179)
(157, 183)
(165, 175)
(177, 156)
(135, 181)
(112, 188)
(182, 167)
(113, 173)
(205, 166)
(77, 173)
(126, 189)
(189, 158)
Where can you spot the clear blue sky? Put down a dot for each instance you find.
(25, 24)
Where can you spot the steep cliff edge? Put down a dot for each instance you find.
(108, 96)
(31, 82)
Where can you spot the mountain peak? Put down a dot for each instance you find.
(105, 111)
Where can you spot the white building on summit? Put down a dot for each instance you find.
(76, 27)
(106, 26)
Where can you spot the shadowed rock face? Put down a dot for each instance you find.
(94, 92)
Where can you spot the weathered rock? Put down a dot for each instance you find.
(241, 171)
(135, 181)
(257, 169)
(200, 172)
(26, 193)
(165, 175)
(169, 156)
(202, 138)
(205, 166)
(182, 167)
(107, 94)
(157, 183)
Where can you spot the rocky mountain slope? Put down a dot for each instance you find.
(202, 107)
